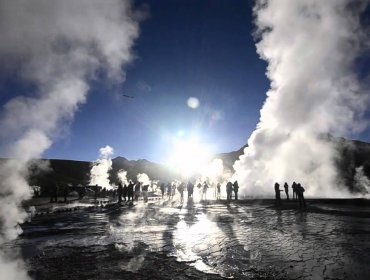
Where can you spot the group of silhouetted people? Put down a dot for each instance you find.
(132, 191)
(230, 188)
(298, 191)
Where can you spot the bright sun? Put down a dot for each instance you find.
(189, 156)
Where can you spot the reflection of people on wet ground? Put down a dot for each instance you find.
(137, 191)
(190, 189)
(218, 193)
(229, 191)
(236, 189)
(54, 194)
(204, 191)
(300, 190)
(163, 188)
(181, 189)
(286, 188)
(130, 191)
(294, 188)
(145, 192)
(124, 192)
(119, 192)
(277, 194)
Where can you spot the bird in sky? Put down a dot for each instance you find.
(128, 96)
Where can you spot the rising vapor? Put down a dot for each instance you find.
(310, 47)
(55, 48)
(99, 173)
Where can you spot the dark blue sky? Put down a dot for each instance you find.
(186, 48)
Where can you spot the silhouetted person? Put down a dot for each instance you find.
(163, 188)
(96, 192)
(277, 194)
(137, 191)
(286, 188)
(54, 194)
(181, 189)
(119, 192)
(173, 190)
(204, 190)
(169, 190)
(145, 193)
(65, 193)
(300, 191)
(190, 189)
(294, 188)
(229, 191)
(130, 191)
(218, 194)
(236, 189)
(124, 192)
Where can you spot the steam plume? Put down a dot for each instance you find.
(99, 173)
(55, 47)
(310, 47)
(143, 178)
(122, 176)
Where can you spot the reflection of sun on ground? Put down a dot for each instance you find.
(192, 240)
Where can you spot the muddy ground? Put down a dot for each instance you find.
(166, 239)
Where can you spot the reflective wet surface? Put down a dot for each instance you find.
(208, 240)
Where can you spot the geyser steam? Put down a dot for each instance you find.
(310, 47)
(55, 47)
(99, 173)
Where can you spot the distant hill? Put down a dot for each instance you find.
(351, 155)
(155, 171)
(229, 158)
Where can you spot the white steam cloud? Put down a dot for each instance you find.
(122, 176)
(55, 47)
(362, 183)
(143, 178)
(310, 47)
(99, 173)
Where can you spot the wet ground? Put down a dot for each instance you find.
(209, 240)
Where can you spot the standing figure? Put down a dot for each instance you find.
(54, 193)
(277, 194)
(65, 193)
(294, 188)
(300, 190)
(169, 190)
(236, 189)
(190, 189)
(229, 191)
(181, 189)
(163, 188)
(130, 191)
(119, 192)
(173, 189)
(218, 194)
(124, 192)
(145, 193)
(286, 188)
(137, 191)
(204, 191)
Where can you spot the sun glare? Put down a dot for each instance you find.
(189, 156)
